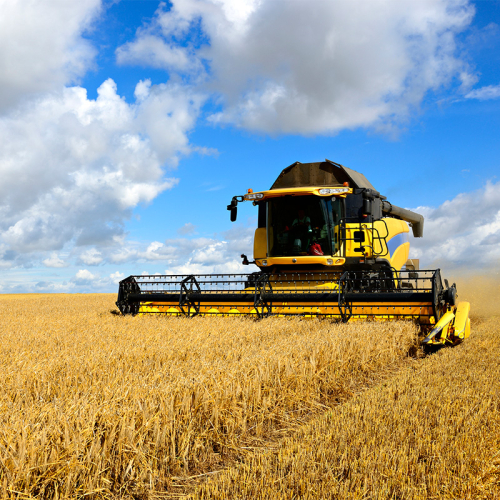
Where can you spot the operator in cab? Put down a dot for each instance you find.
(301, 232)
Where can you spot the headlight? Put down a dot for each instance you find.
(341, 190)
(253, 196)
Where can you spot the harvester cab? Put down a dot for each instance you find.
(324, 216)
(327, 244)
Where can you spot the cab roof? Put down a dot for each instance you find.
(325, 173)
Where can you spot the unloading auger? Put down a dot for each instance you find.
(327, 244)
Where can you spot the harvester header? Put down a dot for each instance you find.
(327, 244)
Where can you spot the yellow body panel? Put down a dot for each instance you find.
(301, 191)
(400, 256)
(388, 239)
(260, 244)
(397, 242)
(439, 333)
(350, 244)
(452, 328)
(467, 328)
(303, 259)
(360, 311)
(462, 322)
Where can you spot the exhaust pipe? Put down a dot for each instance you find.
(416, 220)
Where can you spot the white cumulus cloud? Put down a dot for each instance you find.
(84, 277)
(42, 47)
(91, 257)
(464, 231)
(308, 66)
(116, 277)
(484, 93)
(73, 168)
(54, 261)
(193, 255)
(188, 228)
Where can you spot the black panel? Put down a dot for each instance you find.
(354, 206)
(262, 214)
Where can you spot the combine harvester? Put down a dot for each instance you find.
(327, 244)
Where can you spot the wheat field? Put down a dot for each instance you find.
(430, 432)
(96, 405)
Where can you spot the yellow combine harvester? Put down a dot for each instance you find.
(327, 244)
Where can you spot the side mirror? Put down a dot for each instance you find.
(359, 236)
(233, 207)
(367, 206)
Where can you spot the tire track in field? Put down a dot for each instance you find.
(430, 431)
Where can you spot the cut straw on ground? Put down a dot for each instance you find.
(431, 432)
(96, 404)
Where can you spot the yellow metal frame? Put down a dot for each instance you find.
(302, 259)
(362, 311)
(452, 328)
(303, 191)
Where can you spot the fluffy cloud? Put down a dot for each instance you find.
(464, 231)
(74, 168)
(308, 67)
(116, 277)
(81, 281)
(91, 257)
(150, 50)
(187, 228)
(42, 46)
(86, 281)
(44, 287)
(54, 261)
(484, 93)
(195, 255)
(84, 277)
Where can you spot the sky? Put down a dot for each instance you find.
(126, 127)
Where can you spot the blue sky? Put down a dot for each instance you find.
(127, 126)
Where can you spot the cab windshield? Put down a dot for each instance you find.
(303, 225)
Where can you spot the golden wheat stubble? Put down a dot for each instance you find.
(95, 402)
(432, 431)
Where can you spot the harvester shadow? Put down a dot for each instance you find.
(415, 351)
(432, 349)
